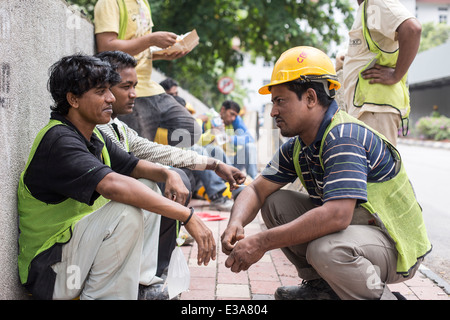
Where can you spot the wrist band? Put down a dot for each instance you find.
(217, 164)
(189, 218)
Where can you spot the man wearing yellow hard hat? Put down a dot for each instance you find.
(359, 227)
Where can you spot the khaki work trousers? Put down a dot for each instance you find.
(357, 262)
(111, 252)
(388, 124)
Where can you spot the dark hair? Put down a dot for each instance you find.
(168, 83)
(228, 104)
(118, 60)
(300, 86)
(77, 74)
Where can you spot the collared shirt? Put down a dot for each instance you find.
(142, 148)
(352, 155)
(66, 165)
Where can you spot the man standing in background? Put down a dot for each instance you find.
(126, 25)
(384, 41)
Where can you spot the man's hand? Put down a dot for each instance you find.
(163, 39)
(409, 33)
(231, 235)
(245, 253)
(204, 238)
(171, 56)
(381, 74)
(175, 189)
(230, 174)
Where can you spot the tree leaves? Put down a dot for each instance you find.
(264, 28)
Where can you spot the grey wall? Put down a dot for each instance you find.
(33, 35)
(424, 98)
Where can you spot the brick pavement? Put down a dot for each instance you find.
(259, 282)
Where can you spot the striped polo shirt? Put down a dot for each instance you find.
(352, 155)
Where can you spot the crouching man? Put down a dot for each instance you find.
(360, 226)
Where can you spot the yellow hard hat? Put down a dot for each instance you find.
(306, 63)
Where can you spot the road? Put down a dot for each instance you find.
(429, 171)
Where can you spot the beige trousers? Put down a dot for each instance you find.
(111, 252)
(385, 123)
(357, 262)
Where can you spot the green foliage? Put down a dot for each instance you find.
(264, 28)
(433, 34)
(85, 6)
(434, 128)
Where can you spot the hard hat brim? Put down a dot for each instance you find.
(265, 89)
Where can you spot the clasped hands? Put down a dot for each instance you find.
(242, 251)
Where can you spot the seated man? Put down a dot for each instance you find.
(82, 230)
(361, 226)
(142, 148)
(210, 171)
(170, 86)
(227, 129)
(213, 186)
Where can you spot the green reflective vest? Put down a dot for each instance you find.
(42, 225)
(121, 127)
(392, 202)
(396, 95)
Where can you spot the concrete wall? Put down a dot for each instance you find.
(33, 35)
(423, 99)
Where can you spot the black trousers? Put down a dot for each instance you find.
(163, 111)
(168, 228)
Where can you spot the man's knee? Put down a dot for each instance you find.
(187, 177)
(151, 184)
(326, 253)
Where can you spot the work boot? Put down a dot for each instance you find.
(317, 289)
(221, 203)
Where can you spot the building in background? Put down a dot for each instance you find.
(437, 11)
(254, 74)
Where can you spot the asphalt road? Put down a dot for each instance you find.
(429, 171)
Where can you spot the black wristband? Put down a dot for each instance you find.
(189, 218)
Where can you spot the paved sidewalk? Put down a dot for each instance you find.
(216, 282)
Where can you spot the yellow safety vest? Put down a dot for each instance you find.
(392, 202)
